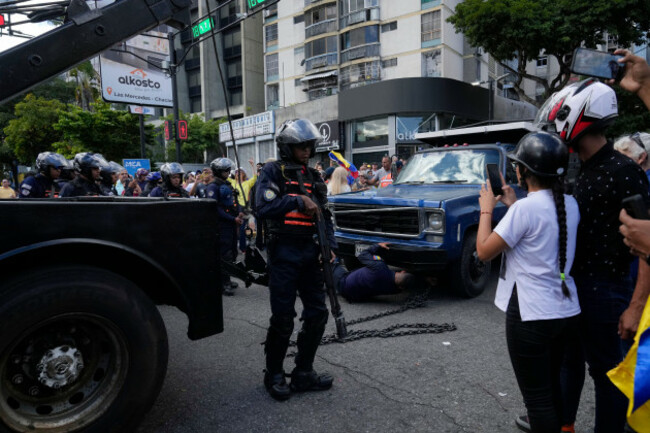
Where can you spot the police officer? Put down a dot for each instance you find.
(88, 166)
(108, 177)
(288, 196)
(67, 175)
(153, 182)
(229, 215)
(49, 166)
(172, 176)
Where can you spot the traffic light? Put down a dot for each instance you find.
(2, 20)
(182, 129)
(168, 136)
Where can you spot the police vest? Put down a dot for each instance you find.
(227, 205)
(295, 222)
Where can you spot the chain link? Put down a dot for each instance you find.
(417, 301)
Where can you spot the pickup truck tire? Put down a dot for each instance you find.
(469, 275)
(81, 349)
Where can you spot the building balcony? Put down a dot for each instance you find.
(326, 26)
(321, 93)
(360, 74)
(361, 16)
(328, 59)
(369, 50)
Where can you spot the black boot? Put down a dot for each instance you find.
(303, 377)
(275, 347)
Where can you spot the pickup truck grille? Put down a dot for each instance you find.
(389, 221)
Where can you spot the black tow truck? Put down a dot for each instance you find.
(82, 343)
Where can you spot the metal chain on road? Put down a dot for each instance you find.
(416, 301)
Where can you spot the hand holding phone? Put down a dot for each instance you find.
(600, 64)
(494, 175)
(635, 207)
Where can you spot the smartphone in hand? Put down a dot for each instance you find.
(600, 64)
(494, 175)
(635, 207)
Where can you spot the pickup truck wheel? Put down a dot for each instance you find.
(470, 275)
(81, 349)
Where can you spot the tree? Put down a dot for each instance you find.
(633, 116)
(115, 134)
(202, 139)
(524, 29)
(85, 77)
(31, 131)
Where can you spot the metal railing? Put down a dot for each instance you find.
(320, 28)
(360, 16)
(368, 50)
(320, 61)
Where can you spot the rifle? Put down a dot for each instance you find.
(328, 276)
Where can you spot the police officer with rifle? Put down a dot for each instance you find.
(289, 198)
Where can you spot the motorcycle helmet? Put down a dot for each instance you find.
(170, 169)
(297, 132)
(586, 106)
(84, 162)
(49, 159)
(543, 153)
(106, 172)
(220, 166)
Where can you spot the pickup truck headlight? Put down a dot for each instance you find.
(436, 221)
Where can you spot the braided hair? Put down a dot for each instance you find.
(558, 195)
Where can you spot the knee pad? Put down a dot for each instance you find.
(282, 325)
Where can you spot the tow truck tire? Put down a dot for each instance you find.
(81, 350)
(469, 275)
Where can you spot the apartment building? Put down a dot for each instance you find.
(375, 71)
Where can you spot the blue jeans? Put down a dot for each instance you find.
(602, 302)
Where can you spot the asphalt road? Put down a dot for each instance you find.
(459, 381)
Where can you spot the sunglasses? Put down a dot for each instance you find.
(637, 139)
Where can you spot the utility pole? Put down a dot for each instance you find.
(142, 136)
(172, 71)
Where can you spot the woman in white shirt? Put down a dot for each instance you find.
(538, 237)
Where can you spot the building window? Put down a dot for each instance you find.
(360, 36)
(389, 63)
(234, 74)
(299, 19)
(426, 4)
(194, 78)
(195, 104)
(542, 61)
(272, 96)
(236, 97)
(431, 26)
(371, 130)
(316, 16)
(389, 27)
(271, 12)
(232, 43)
(360, 74)
(432, 64)
(320, 47)
(271, 33)
(272, 68)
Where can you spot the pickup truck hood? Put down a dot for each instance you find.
(408, 195)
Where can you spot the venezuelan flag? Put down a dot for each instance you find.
(338, 158)
(632, 376)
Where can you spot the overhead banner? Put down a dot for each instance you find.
(251, 126)
(130, 71)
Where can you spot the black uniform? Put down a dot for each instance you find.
(164, 191)
(294, 266)
(228, 209)
(80, 187)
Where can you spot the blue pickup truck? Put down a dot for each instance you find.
(429, 215)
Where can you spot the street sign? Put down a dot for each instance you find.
(203, 27)
(182, 129)
(255, 3)
(139, 109)
(132, 165)
(168, 135)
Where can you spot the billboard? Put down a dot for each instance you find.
(132, 165)
(130, 71)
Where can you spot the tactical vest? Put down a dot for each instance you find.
(230, 208)
(174, 192)
(294, 223)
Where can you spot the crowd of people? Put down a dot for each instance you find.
(566, 284)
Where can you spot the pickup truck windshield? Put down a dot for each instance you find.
(463, 166)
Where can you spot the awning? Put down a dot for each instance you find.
(321, 75)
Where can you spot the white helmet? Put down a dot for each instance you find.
(579, 108)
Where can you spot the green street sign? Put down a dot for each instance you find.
(252, 4)
(203, 27)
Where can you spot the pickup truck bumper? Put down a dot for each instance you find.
(409, 257)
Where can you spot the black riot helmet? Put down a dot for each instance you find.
(44, 160)
(67, 173)
(221, 167)
(296, 132)
(84, 162)
(543, 153)
(107, 171)
(170, 169)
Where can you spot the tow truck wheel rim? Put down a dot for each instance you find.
(38, 392)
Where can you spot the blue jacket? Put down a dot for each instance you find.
(375, 278)
(35, 187)
(222, 192)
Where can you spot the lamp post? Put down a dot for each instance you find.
(490, 82)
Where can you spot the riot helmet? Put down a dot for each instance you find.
(84, 162)
(106, 172)
(170, 169)
(67, 173)
(221, 167)
(297, 132)
(44, 160)
(583, 107)
(543, 153)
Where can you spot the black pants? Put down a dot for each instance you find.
(536, 349)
